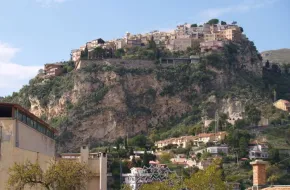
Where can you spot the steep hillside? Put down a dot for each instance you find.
(111, 98)
(281, 56)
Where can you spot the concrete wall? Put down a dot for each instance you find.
(11, 154)
(130, 64)
(32, 140)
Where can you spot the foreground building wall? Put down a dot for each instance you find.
(21, 143)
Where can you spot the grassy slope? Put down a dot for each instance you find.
(277, 56)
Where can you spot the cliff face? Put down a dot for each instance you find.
(112, 98)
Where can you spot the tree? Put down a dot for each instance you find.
(119, 142)
(131, 152)
(274, 155)
(126, 187)
(119, 53)
(213, 21)
(267, 65)
(145, 161)
(273, 173)
(139, 141)
(253, 114)
(196, 47)
(134, 162)
(85, 53)
(243, 146)
(40, 71)
(234, 22)
(198, 156)
(165, 157)
(193, 25)
(126, 143)
(240, 123)
(223, 23)
(152, 44)
(61, 175)
(241, 29)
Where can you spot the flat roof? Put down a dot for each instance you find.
(17, 106)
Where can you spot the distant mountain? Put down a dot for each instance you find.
(278, 56)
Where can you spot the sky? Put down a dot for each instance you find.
(36, 32)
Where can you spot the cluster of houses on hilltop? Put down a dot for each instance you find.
(212, 37)
(184, 141)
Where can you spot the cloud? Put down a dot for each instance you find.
(13, 76)
(245, 6)
(48, 3)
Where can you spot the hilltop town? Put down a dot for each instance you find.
(210, 36)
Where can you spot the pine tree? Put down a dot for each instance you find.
(134, 162)
(243, 145)
(126, 143)
(145, 159)
(131, 151)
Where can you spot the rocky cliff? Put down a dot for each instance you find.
(110, 98)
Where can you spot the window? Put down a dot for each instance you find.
(20, 116)
(5, 111)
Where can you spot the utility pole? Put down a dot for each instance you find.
(203, 120)
(275, 95)
(216, 124)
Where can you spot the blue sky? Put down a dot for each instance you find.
(35, 32)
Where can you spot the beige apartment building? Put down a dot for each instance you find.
(97, 162)
(233, 34)
(213, 37)
(24, 137)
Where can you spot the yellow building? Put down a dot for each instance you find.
(97, 162)
(233, 34)
(282, 105)
(24, 137)
(213, 37)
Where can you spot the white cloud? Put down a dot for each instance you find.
(245, 6)
(48, 3)
(13, 76)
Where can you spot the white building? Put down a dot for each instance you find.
(218, 149)
(135, 178)
(258, 151)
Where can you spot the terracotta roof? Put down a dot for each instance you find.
(206, 135)
(17, 106)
